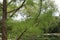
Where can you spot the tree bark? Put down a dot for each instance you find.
(4, 18)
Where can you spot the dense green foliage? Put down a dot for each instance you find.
(39, 20)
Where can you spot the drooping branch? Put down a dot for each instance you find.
(15, 10)
(21, 34)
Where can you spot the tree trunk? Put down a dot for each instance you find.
(4, 17)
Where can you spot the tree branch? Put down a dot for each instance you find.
(50, 34)
(9, 3)
(1, 5)
(21, 34)
(15, 10)
(37, 17)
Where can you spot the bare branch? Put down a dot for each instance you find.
(47, 34)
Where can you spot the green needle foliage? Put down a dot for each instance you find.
(39, 19)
